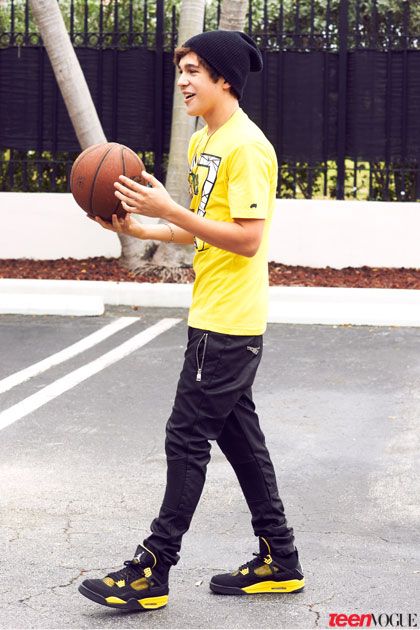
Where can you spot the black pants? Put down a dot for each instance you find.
(214, 402)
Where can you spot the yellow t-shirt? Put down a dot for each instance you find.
(233, 175)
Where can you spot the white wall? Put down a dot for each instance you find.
(50, 225)
(321, 233)
(316, 233)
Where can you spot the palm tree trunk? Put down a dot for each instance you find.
(78, 101)
(191, 22)
(233, 15)
(68, 72)
(232, 18)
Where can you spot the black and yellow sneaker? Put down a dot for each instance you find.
(139, 586)
(261, 575)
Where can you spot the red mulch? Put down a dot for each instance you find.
(101, 268)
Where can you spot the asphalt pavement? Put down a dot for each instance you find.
(82, 474)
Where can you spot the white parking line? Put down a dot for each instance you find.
(72, 379)
(67, 353)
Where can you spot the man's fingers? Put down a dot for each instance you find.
(128, 184)
(151, 180)
(129, 208)
(115, 223)
(127, 192)
(130, 201)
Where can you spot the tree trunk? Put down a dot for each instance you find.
(68, 72)
(233, 15)
(232, 18)
(76, 96)
(191, 22)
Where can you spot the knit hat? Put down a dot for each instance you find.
(231, 53)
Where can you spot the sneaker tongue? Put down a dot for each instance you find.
(143, 557)
(264, 547)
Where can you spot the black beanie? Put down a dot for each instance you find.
(231, 53)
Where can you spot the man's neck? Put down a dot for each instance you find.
(220, 116)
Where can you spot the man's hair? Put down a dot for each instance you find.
(181, 51)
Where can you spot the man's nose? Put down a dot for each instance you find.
(182, 80)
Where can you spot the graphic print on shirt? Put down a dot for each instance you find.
(212, 163)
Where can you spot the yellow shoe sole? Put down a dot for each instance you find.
(147, 603)
(139, 605)
(269, 586)
(289, 586)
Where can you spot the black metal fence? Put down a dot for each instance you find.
(339, 95)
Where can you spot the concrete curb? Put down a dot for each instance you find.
(50, 304)
(292, 305)
(340, 306)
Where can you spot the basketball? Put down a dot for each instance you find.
(93, 175)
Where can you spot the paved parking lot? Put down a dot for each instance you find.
(83, 470)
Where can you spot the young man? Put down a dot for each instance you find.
(233, 178)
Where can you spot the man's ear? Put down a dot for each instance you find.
(226, 85)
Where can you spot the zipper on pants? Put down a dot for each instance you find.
(201, 365)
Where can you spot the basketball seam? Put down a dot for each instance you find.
(94, 179)
(123, 165)
(80, 159)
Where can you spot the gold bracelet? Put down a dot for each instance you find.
(172, 233)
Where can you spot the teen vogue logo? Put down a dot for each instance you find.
(371, 620)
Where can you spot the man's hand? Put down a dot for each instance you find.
(127, 225)
(155, 232)
(152, 200)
